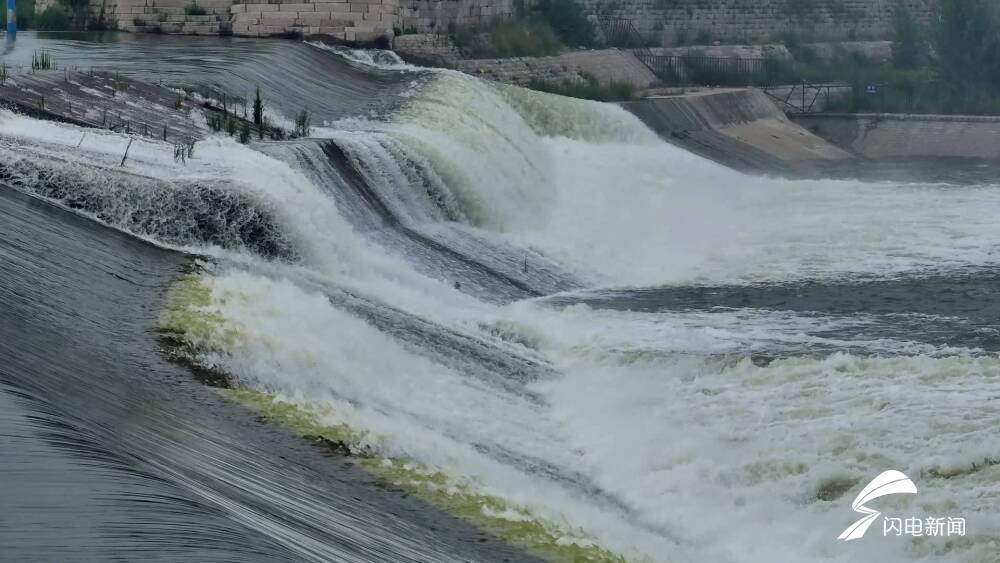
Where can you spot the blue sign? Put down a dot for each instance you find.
(872, 89)
(11, 19)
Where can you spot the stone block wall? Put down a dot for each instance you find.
(428, 16)
(668, 21)
(353, 20)
(427, 48)
(346, 20)
(753, 21)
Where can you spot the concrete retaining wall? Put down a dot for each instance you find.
(742, 129)
(888, 136)
(607, 66)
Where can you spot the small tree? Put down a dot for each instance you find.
(302, 127)
(258, 113)
(568, 20)
(245, 133)
(53, 18)
(967, 42)
(193, 9)
(909, 49)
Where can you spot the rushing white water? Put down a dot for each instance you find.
(656, 433)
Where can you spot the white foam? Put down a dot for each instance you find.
(676, 453)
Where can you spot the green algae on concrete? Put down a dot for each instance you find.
(514, 524)
(189, 318)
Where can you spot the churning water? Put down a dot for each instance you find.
(533, 296)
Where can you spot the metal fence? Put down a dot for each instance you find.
(693, 70)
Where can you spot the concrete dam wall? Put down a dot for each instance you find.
(888, 136)
(741, 129)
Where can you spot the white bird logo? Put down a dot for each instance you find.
(891, 482)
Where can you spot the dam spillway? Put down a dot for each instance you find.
(527, 309)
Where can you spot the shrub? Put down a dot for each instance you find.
(569, 22)
(245, 133)
(588, 89)
(53, 18)
(193, 9)
(518, 38)
(25, 14)
(909, 48)
(967, 43)
(524, 38)
(302, 127)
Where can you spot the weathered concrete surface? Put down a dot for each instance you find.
(740, 128)
(607, 66)
(888, 136)
(105, 100)
(432, 49)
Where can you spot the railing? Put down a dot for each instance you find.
(620, 32)
(804, 97)
(692, 70)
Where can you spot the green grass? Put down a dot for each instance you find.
(587, 89)
(553, 25)
(189, 320)
(514, 524)
(517, 38)
(53, 18)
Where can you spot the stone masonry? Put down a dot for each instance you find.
(669, 22)
(345, 20)
(672, 22)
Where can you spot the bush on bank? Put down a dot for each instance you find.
(588, 89)
(53, 18)
(25, 14)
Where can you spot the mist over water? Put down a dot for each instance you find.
(537, 297)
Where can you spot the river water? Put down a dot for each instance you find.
(531, 295)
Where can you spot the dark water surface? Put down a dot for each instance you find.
(291, 75)
(112, 453)
(959, 310)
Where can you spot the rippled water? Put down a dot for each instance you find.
(111, 453)
(293, 75)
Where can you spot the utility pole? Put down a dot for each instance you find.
(11, 20)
